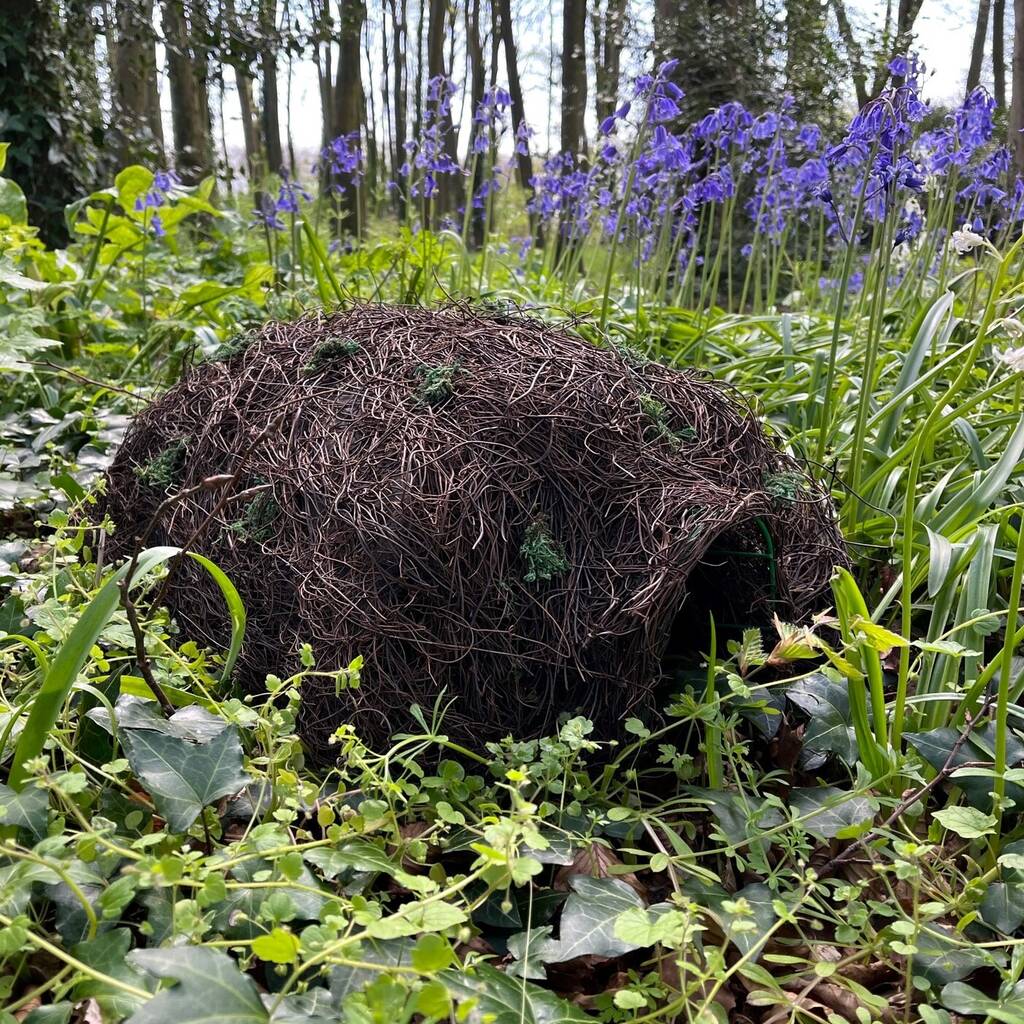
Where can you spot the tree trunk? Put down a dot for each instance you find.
(477, 86)
(348, 111)
(271, 119)
(1017, 101)
(193, 150)
(854, 52)
(399, 45)
(901, 42)
(998, 52)
(134, 92)
(236, 52)
(449, 193)
(978, 49)
(574, 77)
(810, 60)
(524, 165)
(608, 27)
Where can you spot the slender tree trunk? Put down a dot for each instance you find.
(400, 42)
(1016, 139)
(246, 102)
(902, 39)
(450, 191)
(574, 76)
(477, 85)
(271, 119)
(524, 165)
(854, 52)
(978, 49)
(420, 68)
(664, 30)
(370, 117)
(608, 27)
(349, 109)
(193, 150)
(998, 52)
(134, 93)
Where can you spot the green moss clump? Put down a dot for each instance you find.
(437, 382)
(330, 350)
(165, 469)
(786, 486)
(232, 346)
(657, 412)
(543, 555)
(256, 523)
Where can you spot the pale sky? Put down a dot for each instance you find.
(944, 35)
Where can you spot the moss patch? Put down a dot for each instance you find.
(165, 469)
(329, 351)
(544, 556)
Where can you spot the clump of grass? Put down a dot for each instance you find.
(164, 470)
(256, 523)
(544, 556)
(330, 350)
(437, 382)
(786, 486)
(657, 412)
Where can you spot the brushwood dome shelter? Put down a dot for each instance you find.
(477, 503)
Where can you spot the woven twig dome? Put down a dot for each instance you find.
(478, 503)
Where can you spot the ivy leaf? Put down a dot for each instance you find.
(587, 924)
(934, 746)
(501, 998)
(832, 811)
(317, 1006)
(106, 954)
(722, 906)
(1003, 906)
(967, 999)
(27, 809)
(529, 949)
(208, 988)
(941, 958)
(184, 776)
(827, 705)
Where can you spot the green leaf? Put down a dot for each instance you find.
(505, 1000)
(934, 747)
(277, 947)
(1003, 906)
(833, 811)
(587, 924)
(182, 776)
(71, 658)
(417, 917)
(107, 955)
(432, 953)
(12, 202)
(827, 705)
(966, 999)
(28, 809)
(208, 988)
(966, 822)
